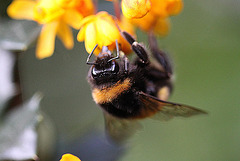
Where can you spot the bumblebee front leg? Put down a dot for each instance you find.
(137, 48)
(125, 61)
(160, 55)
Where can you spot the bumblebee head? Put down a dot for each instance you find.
(105, 66)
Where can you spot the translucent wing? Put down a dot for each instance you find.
(119, 130)
(166, 110)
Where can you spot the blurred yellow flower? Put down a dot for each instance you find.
(174, 7)
(135, 8)
(165, 8)
(162, 26)
(99, 29)
(69, 157)
(157, 19)
(152, 22)
(56, 16)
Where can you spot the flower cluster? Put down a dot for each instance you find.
(57, 16)
(157, 18)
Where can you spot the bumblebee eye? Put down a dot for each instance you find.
(114, 68)
(111, 68)
(94, 71)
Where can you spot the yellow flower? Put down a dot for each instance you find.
(157, 19)
(152, 22)
(69, 157)
(174, 7)
(162, 26)
(165, 8)
(56, 16)
(135, 8)
(98, 29)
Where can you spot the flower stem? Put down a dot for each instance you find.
(117, 9)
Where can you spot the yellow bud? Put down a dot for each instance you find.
(174, 7)
(135, 8)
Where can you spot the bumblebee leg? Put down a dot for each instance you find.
(157, 80)
(125, 61)
(137, 48)
(160, 55)
(161, 79)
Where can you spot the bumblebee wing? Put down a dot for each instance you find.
(166, 110)
(118, 129)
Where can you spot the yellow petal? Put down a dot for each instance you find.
(73, 18)
(159, 8)
(174, 7)
(66, 3)
(103, 14)
(107, 31)
(64, 32)
(162, 27)
(90, 37)
(20, 9)
(69, 157)
(47, 11)
(87, 20)
(85, 7)
(135, 8)
(98, 29)
(81, 34)
(147, 22)
(46, 40)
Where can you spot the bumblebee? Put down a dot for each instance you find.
(128, 92)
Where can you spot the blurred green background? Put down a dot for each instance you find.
(204, 43)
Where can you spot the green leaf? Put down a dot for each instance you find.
(17, 35)
(18, 137)
(7, 88)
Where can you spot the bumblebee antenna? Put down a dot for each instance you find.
(118, 52)
(89, 56)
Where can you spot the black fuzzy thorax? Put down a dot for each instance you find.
(127, 104)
